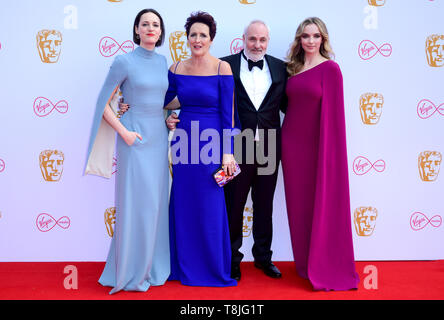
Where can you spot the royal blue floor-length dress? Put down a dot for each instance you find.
(199, 233)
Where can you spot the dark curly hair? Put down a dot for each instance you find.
(136, 24)
(201, 17)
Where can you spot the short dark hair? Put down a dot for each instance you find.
(201, 17)
(136, 24)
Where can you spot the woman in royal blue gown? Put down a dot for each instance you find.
(199, 234)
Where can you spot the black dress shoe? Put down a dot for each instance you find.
(269, 269)
(235, 273)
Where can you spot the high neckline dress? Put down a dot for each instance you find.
(199, 234)
(139, 252)
(315, 172)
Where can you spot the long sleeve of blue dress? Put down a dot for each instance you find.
(226, 99)
(228, 112)
(172, 89)
(102, 138)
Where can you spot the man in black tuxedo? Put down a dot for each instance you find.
(260, 82)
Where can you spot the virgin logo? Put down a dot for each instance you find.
(43, 106)
(2, 165)
(362, 165)
(427, 108)
(114, 165)
(109, 47)
(368, 50)
(419, 221)
(46, 222)
(236, 46)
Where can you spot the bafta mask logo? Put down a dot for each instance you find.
(247, 1)
(248, 222)
(236, 45)
(110, 220)
(51, 164)
(370, 106)
(435, 50)
(170, 162)
(365, 220)
(376, 3)
(178, 46)
(49, 45)
(429, 163)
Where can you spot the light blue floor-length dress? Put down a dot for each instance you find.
(139, 253)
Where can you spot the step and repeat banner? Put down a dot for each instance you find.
(55, 55)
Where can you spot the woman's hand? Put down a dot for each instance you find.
(123, 107)
(130, 137)
(228, 164)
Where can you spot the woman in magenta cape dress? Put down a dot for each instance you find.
(314, 161)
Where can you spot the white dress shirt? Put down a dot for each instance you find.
(256, 82)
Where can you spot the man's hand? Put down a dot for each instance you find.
(171, 121)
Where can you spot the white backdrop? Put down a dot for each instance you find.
(48, 105)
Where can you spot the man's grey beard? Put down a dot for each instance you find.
(256, 57)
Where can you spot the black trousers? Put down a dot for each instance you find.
(262, 194)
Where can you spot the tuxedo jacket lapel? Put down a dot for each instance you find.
(273, 75)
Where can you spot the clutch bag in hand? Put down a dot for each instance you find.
(222, 179)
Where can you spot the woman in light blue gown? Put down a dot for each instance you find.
(139, 253)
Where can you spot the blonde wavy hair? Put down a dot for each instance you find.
(296, 55)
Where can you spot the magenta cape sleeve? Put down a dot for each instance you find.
(103, 137)
(331, 258)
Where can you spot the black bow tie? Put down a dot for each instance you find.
(259, 64)
(251, 64)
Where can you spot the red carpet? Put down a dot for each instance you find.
(406, 280)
